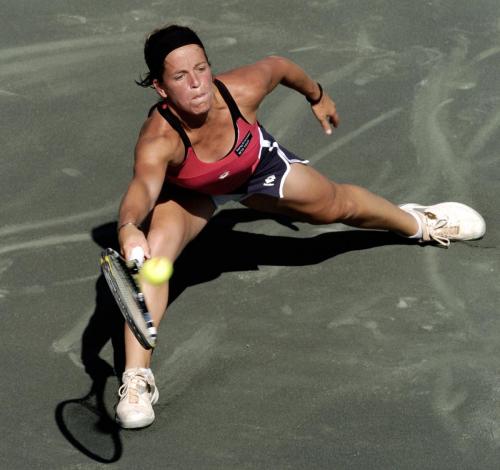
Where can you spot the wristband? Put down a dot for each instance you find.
(128, 223)
(313, 102)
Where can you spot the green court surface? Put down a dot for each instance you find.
(286, 346)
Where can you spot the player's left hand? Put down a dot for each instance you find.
(326, 113)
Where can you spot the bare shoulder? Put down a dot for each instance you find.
(250, 83)
(158, 143)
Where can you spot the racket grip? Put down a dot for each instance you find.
(137, 254)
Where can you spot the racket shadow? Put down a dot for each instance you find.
(85, 421)
(86, 424)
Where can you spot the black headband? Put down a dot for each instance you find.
(163, 42)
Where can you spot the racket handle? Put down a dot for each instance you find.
(137, 254)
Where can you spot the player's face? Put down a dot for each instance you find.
(187, 80)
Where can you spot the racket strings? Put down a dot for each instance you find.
(126, 287)
(120, 277)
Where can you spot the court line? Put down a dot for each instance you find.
(328, 149)
(482, 136)
(72, 338)
(294, 104)
(19, 228)
(45, 242)
(14, 53)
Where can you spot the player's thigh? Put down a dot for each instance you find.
(305, 187)
(307, 195)
(176, 220)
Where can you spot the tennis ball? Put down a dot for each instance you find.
(156, 271)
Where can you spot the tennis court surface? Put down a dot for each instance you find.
(286, 346)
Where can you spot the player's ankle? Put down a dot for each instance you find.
(418, 231)
(138, 365)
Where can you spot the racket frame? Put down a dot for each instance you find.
(112, 265)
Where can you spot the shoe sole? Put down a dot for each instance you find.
(143, 423)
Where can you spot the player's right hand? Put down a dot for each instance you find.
(131, 237)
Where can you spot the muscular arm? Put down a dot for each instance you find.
(151, 160)
(250, 85)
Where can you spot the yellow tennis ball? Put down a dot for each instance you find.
(156, 271)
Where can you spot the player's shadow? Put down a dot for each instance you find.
(220, 248)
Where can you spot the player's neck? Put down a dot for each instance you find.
(191, 121)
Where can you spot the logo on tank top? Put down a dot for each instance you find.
(224, 175)
(269, 181)
(243, 144)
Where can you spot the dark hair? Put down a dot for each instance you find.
(159, 44)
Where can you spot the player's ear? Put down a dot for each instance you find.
(159, 89)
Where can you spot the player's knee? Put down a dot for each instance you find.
(334, 207)
(167, 240)
(327, 209)
(328, 214)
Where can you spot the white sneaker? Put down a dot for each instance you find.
(138, 394)
(448, 221)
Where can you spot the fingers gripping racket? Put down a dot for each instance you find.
(122, 278)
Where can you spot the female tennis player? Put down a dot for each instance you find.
(202, 145)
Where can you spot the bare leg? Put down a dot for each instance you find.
(173, 225)
(310, 196)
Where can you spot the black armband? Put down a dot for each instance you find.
(316, 101)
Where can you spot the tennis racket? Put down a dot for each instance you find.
(122, 278)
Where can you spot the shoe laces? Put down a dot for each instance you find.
(439, 229)
(134, 385)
